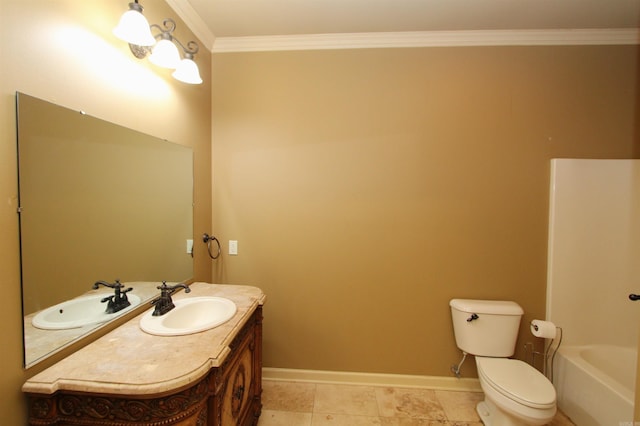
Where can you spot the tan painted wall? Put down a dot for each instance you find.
(366, 188)
(63, 51)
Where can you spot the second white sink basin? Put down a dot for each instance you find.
(79, 312)
(190, 315)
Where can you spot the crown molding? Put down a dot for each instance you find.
(195, 23)
(629, 36)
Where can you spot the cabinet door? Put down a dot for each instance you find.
(238, 391)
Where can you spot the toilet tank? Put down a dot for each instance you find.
(486, 327)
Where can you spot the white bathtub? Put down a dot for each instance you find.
(595, 384)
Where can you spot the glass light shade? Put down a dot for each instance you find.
(134, 29)
(165, 54)
(187, 72)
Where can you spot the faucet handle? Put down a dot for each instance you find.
(167, 289)
(115, 285)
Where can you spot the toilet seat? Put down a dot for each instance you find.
(517, 381)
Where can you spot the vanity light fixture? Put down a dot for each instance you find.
(135, 30)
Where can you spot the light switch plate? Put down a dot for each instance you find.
(233, 247)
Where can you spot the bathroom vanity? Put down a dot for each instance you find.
(129, 377)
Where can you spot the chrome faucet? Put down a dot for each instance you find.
(117, 301)
(164, 304)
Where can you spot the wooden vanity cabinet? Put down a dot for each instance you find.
(228, 395)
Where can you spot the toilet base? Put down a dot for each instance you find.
(484, 414)
(493, 416)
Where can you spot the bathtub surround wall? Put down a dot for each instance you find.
(594, 244)
(63, 51)
(366, 188)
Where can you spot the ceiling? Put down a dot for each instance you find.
(242, 18)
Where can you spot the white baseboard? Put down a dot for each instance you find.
(372, 379)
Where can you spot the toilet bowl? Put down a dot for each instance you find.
(515, 393)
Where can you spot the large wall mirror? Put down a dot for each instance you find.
(98, 202)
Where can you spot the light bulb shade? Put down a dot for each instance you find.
(187, 72)
(134, 29)
(165, 54)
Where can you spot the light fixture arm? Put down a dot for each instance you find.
(169, 25)
(192, 47)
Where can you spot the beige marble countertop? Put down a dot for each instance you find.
(131, 362)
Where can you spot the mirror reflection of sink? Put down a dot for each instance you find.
(79, 312)
(190, 315)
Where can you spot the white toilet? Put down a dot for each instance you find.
(515, 392)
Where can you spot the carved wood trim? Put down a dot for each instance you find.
(82, 409)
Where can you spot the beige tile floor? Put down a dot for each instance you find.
(316, 404)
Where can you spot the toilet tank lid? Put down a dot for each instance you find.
(497, 307)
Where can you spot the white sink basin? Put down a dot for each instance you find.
(190, 315)
(76, 313)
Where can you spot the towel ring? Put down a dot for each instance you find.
(207, 240)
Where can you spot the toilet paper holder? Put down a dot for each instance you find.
(550, 349)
